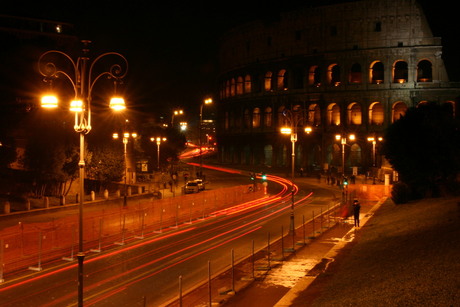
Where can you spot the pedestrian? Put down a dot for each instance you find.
(356, 209)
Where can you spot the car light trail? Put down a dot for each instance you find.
(222, 229)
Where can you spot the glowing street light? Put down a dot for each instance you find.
(343, 141)
(126, 137)
(294, 118)
(176, 113)
(374, 140)
(82, 78)
(205, 102)
(158, 140)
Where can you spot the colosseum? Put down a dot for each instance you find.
(332, 78)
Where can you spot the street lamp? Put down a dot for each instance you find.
(82, 78)
(126, 137)
(206, 101)
(374, 140)
(294, 118)
(176, 113)
(183, 126)
(343, 141)
(158, 140)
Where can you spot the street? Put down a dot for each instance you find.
(146, 271)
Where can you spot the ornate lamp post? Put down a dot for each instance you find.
(82, 77)
(200, 127)
(294, 118)
(343, 141)
(374, 140)
(158, 140)
(126, 137)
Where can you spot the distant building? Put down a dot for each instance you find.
(23, 41)
(349, 68)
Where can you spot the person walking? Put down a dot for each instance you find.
(356, 209)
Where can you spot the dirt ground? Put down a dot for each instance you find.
(406, 255)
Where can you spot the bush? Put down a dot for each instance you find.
(400, 194)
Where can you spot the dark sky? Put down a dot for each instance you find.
(171, 45)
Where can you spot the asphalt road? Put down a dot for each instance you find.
(146, 272)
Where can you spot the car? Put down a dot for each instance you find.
(191, 187)
(200, 182)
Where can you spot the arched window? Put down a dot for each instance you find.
(314, 76)
(356, 74)
(268, 81)
(232, 87)
(424, 71)
(398, 110)
(256, 118)
(268, 117)
(355, 155)
(239, 85)
(247, 119)
(333, 114)
(282, 80)
(354, 114)
(400, 72)
(377, 73)
(314, 115)
(247, 84)
(333, 74)
(376, 114)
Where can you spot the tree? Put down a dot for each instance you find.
(105, 164)
(7, 152)
(424, 148)
(52, 157)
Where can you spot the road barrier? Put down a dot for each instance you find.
(35, 245)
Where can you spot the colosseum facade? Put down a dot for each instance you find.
(327, 73)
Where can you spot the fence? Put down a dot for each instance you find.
(33, 245)
(260, 258)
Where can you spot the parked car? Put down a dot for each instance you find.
(191, 187)
(200, 182)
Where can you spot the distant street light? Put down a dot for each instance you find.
(294, 117)
(82, 78)
(158, 140)
(374, 140)
(343, 141)
(126, 137)
(183, 126)
(200, 127)
(176, 113)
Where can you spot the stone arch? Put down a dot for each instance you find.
(354, 114)
(333, 114)
(377, 72)
(376, 113)
(400, 72)
(356, 75)
(398, 110)
(424, 71)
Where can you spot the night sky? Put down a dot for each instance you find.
(171, 46)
